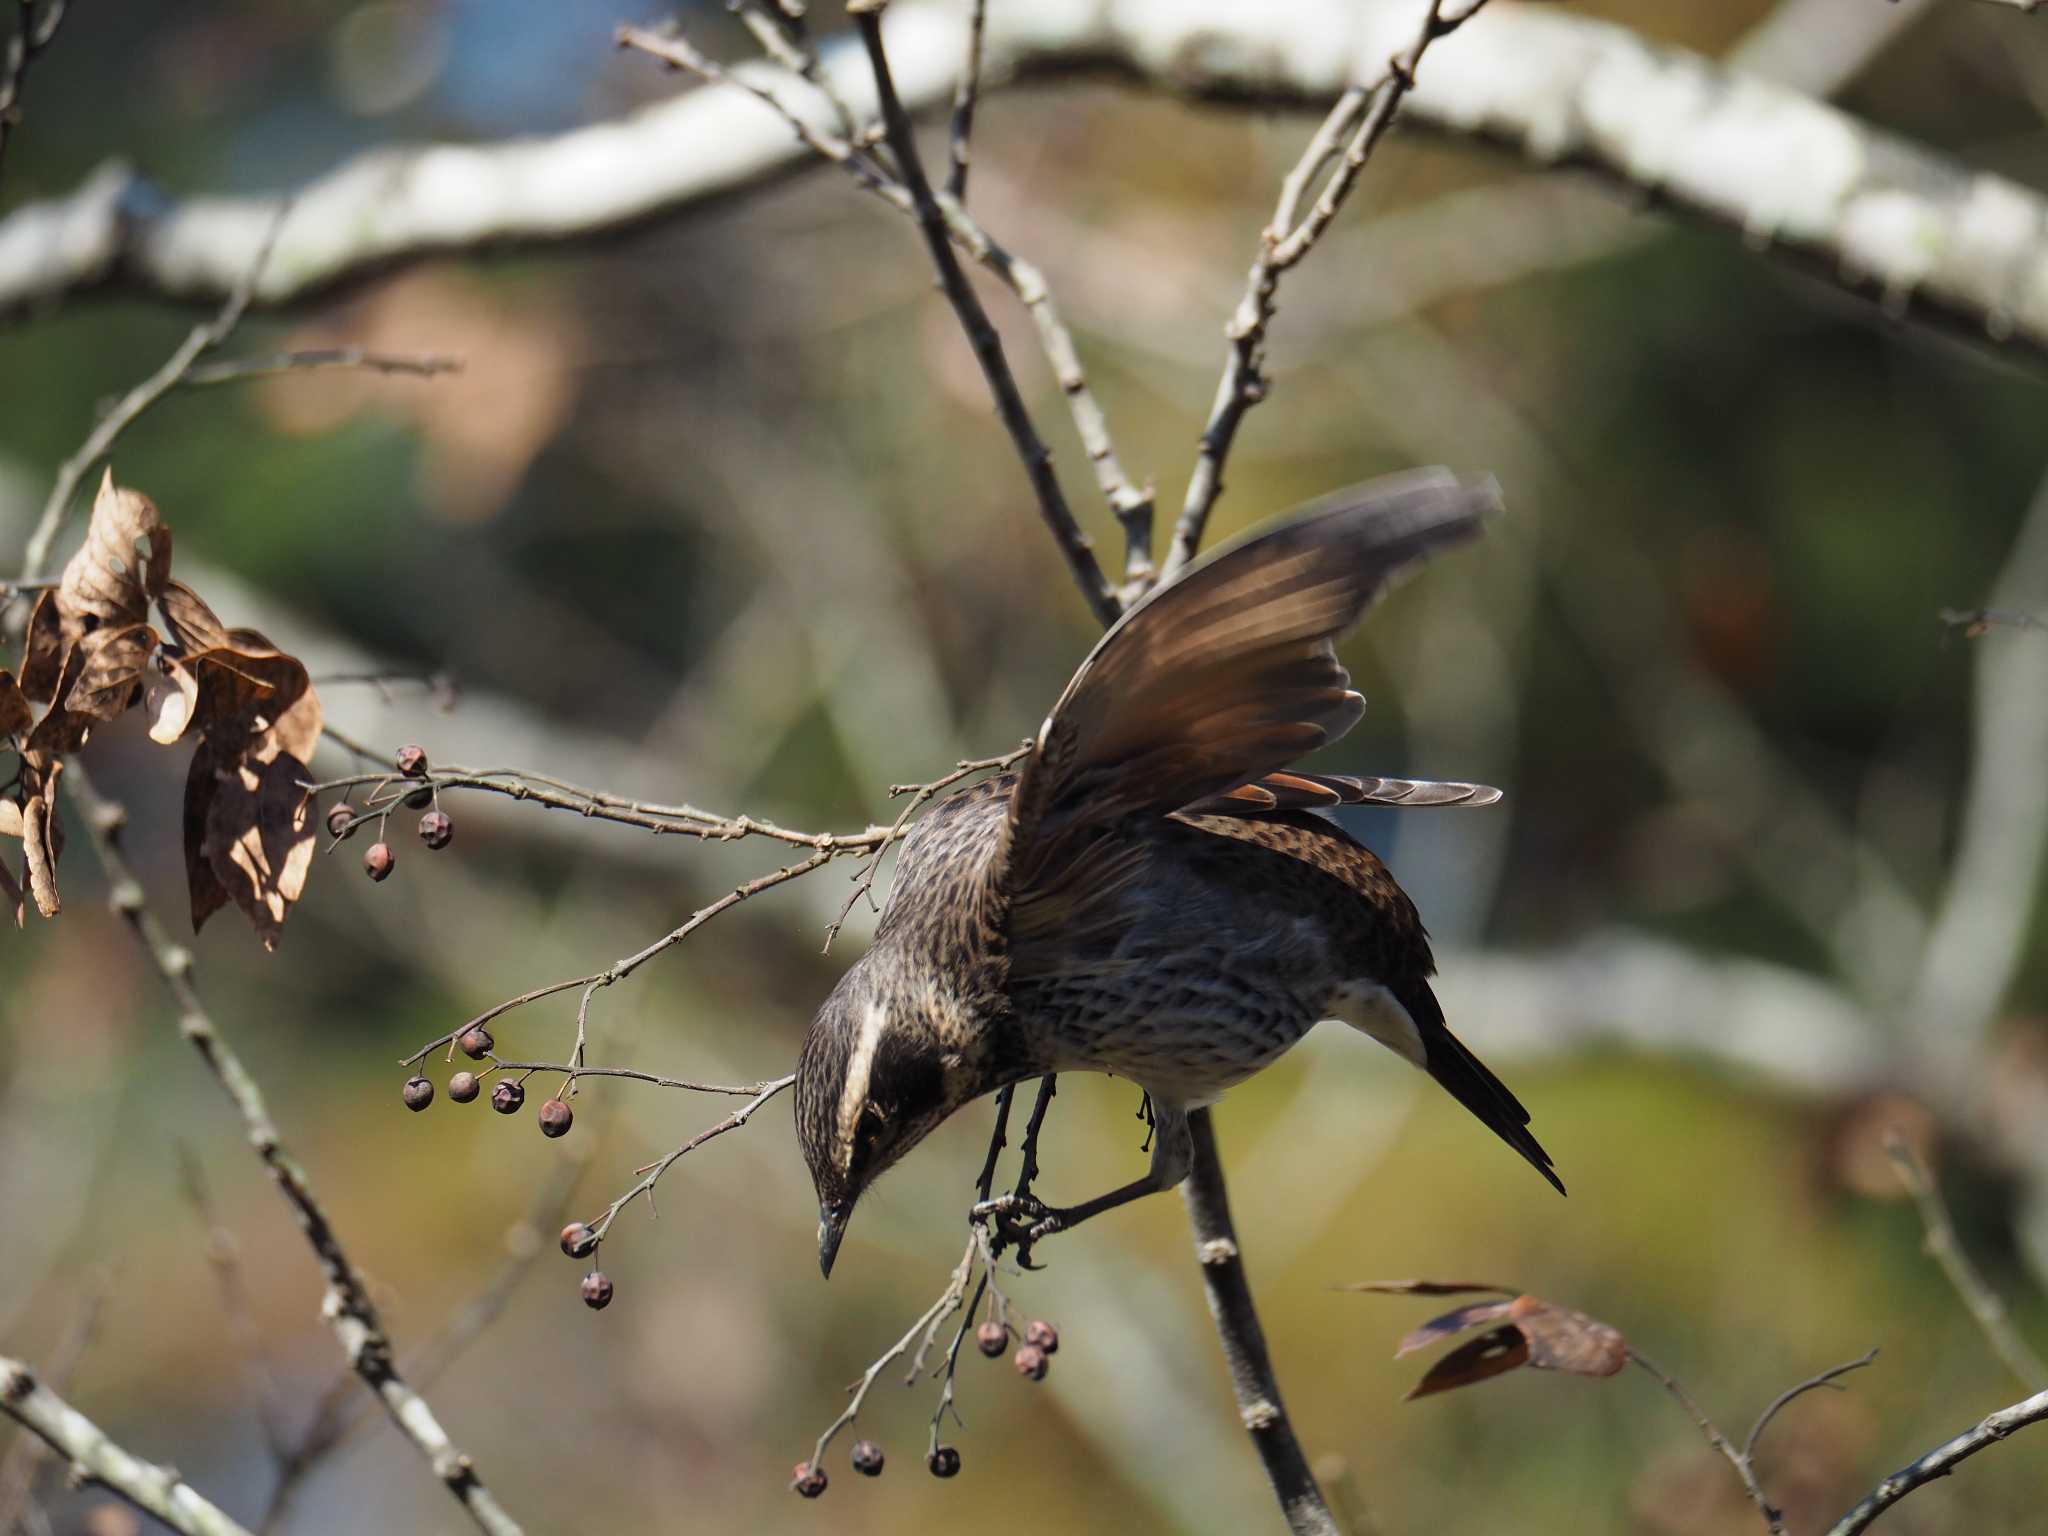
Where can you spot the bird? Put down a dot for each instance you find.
(1151, 891)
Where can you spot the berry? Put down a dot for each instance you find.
(464, 1086)
(420, 799)
(507, 1097)
(944, 1461)
(378, 860)
(992, 1338)
(597, 1295)
(555, 1118)
(578, 1241)
(419, 1093)
(867, 1458)
(1043, 1335)
(436, 830)
(476, 1042)
(412, 762)
(1030, 1362)
(808, 1480)
(341, 819)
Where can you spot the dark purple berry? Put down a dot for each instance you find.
(555, 1118)
(507, 1097)
(378, 860)
(1030, 1362)
(341, 819)
(464, 1086)
(597, 1291)
(476, 1042)
(867, 1458)
(436, 830)
(944, 1461)
(578, 1241)
(1043, 1335)
(419, 799)
(412, 761)
(992, 1338)
(808, 1480)
(419, 1093)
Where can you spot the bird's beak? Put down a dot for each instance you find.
(831, 1228)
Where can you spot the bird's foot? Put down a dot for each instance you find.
(1019, 1220)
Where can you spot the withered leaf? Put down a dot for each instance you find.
(1491, 1354)
(260, 838)
(172, 703)
(111, 663)
(42, 839)
(207, 893)
(1438, 1329)
(42, 659)
(1532, 1332)
(191, 623)
(15, 715)
(123, 564)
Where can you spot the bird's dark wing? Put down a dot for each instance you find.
(1214, 680)
(1325, 791)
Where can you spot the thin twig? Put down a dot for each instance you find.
(651, 1174)
(1974, 622)
(1289, 237)
(1812, 1383)
(1941, 1461)
(100, 441)
(32, 34)
(347, 1306)
(965, 97)
(1942, 1245)
(981, 335)
(1773, 1517)
(423, 365)
(1244, 1342)
(95, 1457)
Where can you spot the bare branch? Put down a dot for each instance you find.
(1941, 1461)
(981, 335)
(422, 365)
(1812, 1383)
(347, 1306)
(154, 1489)
(964, 101)
(100, 441)
(1355, 125)
(1773, 1517)
(1244, 1341)
(18, 1467)
(1983, 1303)
(33, 32)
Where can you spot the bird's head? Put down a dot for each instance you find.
(876, 1075)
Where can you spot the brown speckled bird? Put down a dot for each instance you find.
(1151, 894)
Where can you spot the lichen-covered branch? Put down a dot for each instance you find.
(1941, 1461)
(1864, 210)
(347, 1306)
(155, 1489)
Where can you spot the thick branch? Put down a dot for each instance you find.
(158, 1490)
(347, 1306)
(1866, 211)
(1244, 1341)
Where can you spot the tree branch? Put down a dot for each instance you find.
(1858, 208)
(347, 1306)
(1941, 1461)
(154, 1489)
(1244, 1341)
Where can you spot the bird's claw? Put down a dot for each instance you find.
(1018, 1221)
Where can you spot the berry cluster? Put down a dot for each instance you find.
(437, 828)
(992, 1338)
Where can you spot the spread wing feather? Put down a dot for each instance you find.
(1219, 679)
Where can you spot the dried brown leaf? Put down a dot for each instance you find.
(260, 838)
(122, 566)
(42, 841)
(1561, 1339)
(15, 714)
(111, 664)
(42, 651)
(172, 703)
(1428, 1287)
(207, 893)
(191, 622)
(1437, 1329)
(1491, 1354)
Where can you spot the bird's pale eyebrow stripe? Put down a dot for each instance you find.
(860, 1066)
